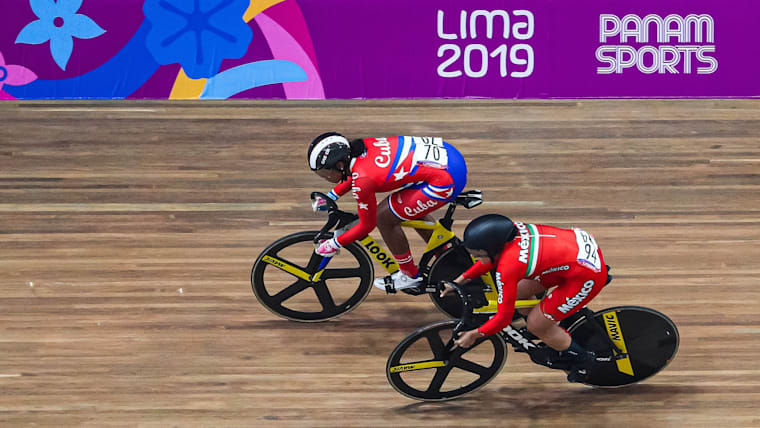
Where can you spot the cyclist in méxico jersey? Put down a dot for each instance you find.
(424, 174)
(531, 258)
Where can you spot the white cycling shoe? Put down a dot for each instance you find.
(397, 281)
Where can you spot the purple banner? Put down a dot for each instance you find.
(315, 49)
(537, 49)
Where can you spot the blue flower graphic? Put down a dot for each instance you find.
(197, 34)
(59, 23)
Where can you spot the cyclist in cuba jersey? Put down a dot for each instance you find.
(531, 258)
(424, 174)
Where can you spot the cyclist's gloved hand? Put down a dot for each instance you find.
(467, 338)
(446, 288)
(328, 248)
(320, 204)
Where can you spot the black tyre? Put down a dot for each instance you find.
(650, 339)
(344, 284)
(423, 368)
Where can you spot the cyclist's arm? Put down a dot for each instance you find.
(475, 271)
(366, 205)
(341, 189)
(505, 308)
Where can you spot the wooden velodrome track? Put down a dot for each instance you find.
(128, 230)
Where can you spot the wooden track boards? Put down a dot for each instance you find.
(128, 229)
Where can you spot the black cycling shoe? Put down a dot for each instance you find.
(579, 368)
(577, 375)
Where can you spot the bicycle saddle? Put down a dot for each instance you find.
(469, 198)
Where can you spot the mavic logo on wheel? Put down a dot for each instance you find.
(612, 324)
(377, 252)
(519, 338)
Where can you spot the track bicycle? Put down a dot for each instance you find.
(631, 343)
(294, 282)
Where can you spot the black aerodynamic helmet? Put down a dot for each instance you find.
(326, 150)
(489, 233)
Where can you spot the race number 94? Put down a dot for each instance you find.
(476, 60)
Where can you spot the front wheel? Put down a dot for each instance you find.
(424, 368)
(281, 279)
(648, 337)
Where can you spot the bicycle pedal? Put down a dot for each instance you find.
(416, 291)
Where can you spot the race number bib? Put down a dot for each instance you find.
(588, 251)
(430, 151)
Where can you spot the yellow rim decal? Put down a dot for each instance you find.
(286, 267)
(616, 334)
(377, 252)
(417, 366)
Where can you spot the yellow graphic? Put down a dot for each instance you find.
(186, 88)
(288, 268)
(417, 366)
(613, 330)
(380, 255)
(258, 6)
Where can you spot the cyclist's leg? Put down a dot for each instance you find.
(527, 289)
(425, 234)
(579, 286)
(405, 204)
(417, 201)
(547, 329)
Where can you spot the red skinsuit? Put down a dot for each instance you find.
(390, 164)
(567, 259)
